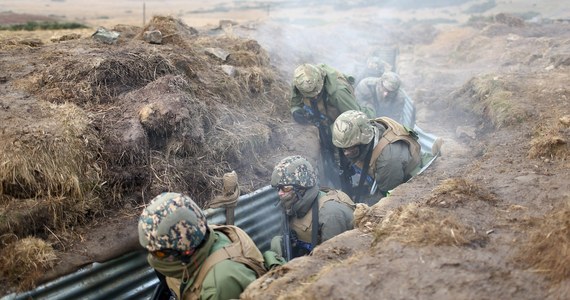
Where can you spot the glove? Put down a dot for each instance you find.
(272, 260)
(300, 117)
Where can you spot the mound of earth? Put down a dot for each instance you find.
(91, 132)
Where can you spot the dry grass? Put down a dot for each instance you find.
(455, 191)
(550, 141)
(49, 174)
(174, 31)
(547, 250)
(23, 262)
(50, 155)
(105, 125)
(98, 77)
(424, 226)
(492, 97)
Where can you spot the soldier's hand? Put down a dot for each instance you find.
(300, 117)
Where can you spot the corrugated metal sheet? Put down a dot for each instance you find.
(130, 277)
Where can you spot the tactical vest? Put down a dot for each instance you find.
(241, 250)
(303, 226)
(394, 132)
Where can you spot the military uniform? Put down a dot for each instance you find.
(334, 208)
(389, 152)
(180, 243)
(370, 93)
(375, 67)
(334, 90)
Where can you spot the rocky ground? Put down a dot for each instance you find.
(489, 219)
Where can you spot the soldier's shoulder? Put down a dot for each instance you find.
(370, 81)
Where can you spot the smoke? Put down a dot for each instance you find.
(341, 34)
(319, 34)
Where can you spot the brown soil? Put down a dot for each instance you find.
(489, 219)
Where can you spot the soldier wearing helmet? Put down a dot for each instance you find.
(388, 99)
(375, 67)
(314, 214)
(382, 152)
(320, 93)
(176, 234)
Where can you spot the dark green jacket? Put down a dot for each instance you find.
(339, 95)
(226, 279)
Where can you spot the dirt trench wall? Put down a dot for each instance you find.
(93, 127)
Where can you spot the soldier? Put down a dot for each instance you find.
(190, 256)
(375, 67)
(321, 93)
(388, 99)
(382, 152)
(313, 214)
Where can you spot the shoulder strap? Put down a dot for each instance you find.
(233, 251)
(394, 132)
(315, 226)
(335, 195)
(216, 257)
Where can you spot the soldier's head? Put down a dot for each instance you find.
(292, 176)
(352, 132)
(308, 79)
(390, 83)
(172, 227)
(375, 66)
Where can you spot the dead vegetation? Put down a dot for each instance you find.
(95, 127)
(547, 249)
(492, 97)
(422, 226)
(23, 262)
(51, 175)
(455, 191)
(551, 141)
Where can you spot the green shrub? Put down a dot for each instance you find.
(33, 25)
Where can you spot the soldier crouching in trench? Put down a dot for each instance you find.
(312, 214)
(195, 260)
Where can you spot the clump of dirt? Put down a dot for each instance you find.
(551, 141)
(455, 191)
(50, 170)
(23, 262)
(422, 226)
(173, 31)
(57, 142)
(98, 79)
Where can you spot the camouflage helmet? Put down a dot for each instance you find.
(376, 64)
(391, 81)
(294, 170)
(308, 79)
(172, 221)
(352, 128)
